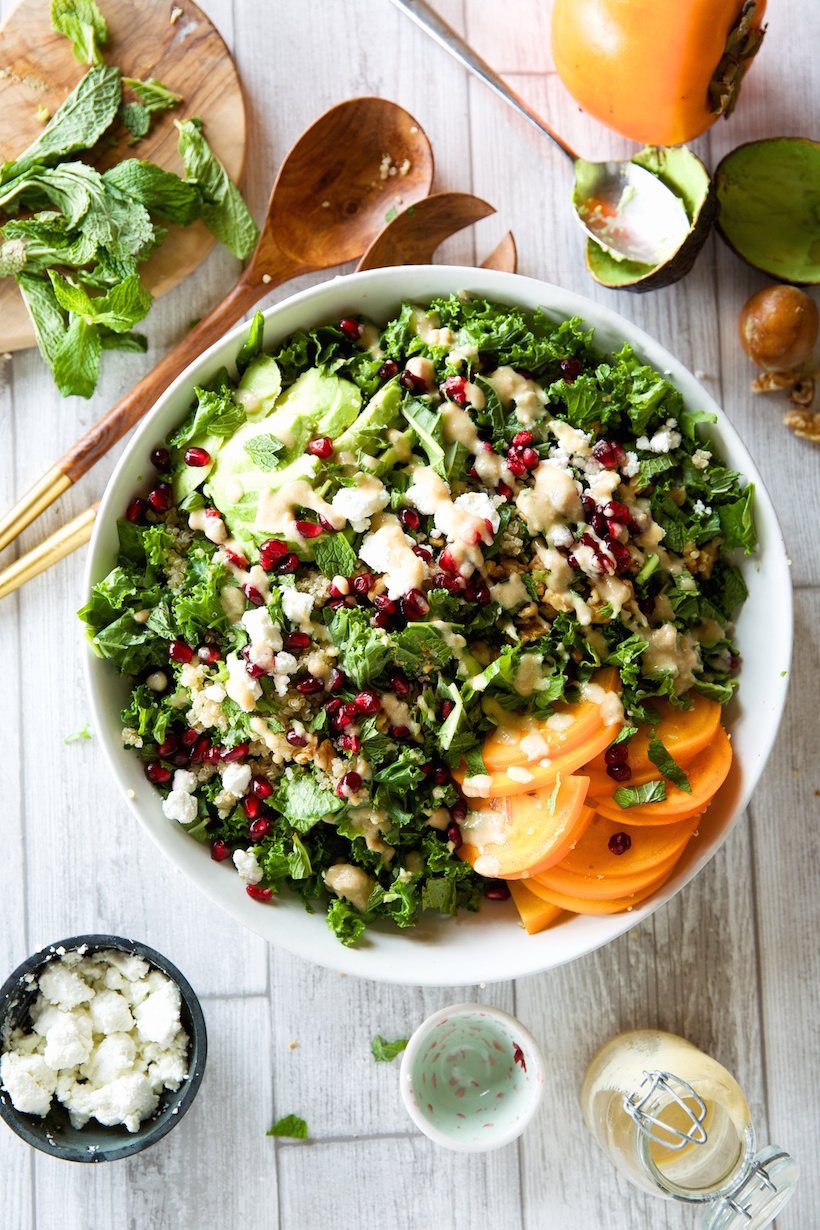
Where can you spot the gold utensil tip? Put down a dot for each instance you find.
(59, 544)
(53, 483)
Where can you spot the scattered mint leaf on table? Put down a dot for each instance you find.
(224, 212)
(289, 1125)
(77, 125)
(153, 97)
(79, 736)
(384, 1051)
(76, 362)
(636, 796)
(83, 25)
(671, 770)
(136, 118)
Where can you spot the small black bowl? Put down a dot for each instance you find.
(94, 1142)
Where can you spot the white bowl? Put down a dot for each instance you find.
(489, 945)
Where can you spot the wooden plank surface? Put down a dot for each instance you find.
(731, 963)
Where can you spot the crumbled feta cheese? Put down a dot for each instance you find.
(297, 606)
(285, 664)
(110, 1013)
(240, 686)
(701, 458)
(477, 786)
(236, 778)
(157, 1017)
(517, 773)
(185, 781)
(68, 1041)
(480, 504)
(630, 469)
(390, 551)
(29, 1082)
(700, 509)
(180, 806)
(64, 987)
(247, 867)
(358, 504)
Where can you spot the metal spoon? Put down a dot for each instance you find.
(327, 205)
(623, 207)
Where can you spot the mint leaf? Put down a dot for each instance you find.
(136, 118)
(83, 25)
(625, 733)
(334, 556)
(737, 522)
(161, 192)
(263, 450)
(224, 211)
(77, 125)
(251, 348)
(79, 736)
(76, 364)
(118, 309)
(216, 414)
(45, 312)
(291, 1126)
(384, 1051)
(672, 771)
(553, 799)
(153, 95)
(636, 796)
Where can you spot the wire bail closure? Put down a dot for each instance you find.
(639, 1106)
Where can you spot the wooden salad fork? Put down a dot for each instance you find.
(410, 238)
(328, 202)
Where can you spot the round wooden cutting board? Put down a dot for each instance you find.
(175, 43)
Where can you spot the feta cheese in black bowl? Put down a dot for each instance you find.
(102, 1048)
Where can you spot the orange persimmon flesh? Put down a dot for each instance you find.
(706, 773)
(576, 724)
(683, 732)
(612, 905)
(536, 915)
(652, 845)
(526, 779)
(515, 837)
(591, 888)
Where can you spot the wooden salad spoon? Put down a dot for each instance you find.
(328, 202)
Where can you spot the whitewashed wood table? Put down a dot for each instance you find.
(732, 962)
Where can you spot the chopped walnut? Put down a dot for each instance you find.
(701, 560)
(804, 423)
(324, 754)
(772, 382)
(803, 392)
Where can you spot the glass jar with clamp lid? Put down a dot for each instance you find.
(677, 1124)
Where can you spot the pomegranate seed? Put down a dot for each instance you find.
(189, 737)
(619, 843)
(341, 720)
(400, 684)
(333, 706)
(295, 739)
(160, 458)
(454, 835)
(497, 890)
(208, 654)
(253, 668)
(530, 459)
(481, 593)
(623, 560)
(619, 772)
(271, 552)
(295, 641)
(388, 369)
(446, 708)
(236, 753)
(448, 563)
(335, 592)
(350, 783)
(383, 620)
(220, 850)
(310, 685)
(337, 680)
(409, 380)
(328, 526)
(459, 811)
(259, 828)
(441, 776)
(258, 893)
(351, 328)
(335, 603)
(522, 439)
(322, 447)
(235, 559)
(161, 497)
(350, 743)
(588, 504)
(410, 518)
(288, 563)
(201, 749)
(618, 753)
(253, 595)
(169, 744)
(473, 472)
(455, 387)
(261, 787)
(414, 605)
(382, 603)
(213, 755)
(367, 702)
(157, 774)
(516, 465)
(308, 529)
(136, 510)
(609, 453)
(426, 771)
(399, 732)
(570, 368)
(178, 651)
(618, 512)
(251, 806)
(197, 457)
(423, 552)
(503, 490)
(363, 583)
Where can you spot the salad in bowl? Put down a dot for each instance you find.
(417, 609)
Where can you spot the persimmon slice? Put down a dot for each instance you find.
(612, 905)
(603, 888)
(683, 732)
(706, 773)
(652, 845)
(520, 779)
(536, 915)
(512, 838)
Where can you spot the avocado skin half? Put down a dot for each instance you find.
(688, 178)
(769, 191)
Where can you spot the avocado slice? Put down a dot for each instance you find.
(261, 383)
(769, 194)
(236, 482)
(688, 178)
(317, 404)
(367, 431)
